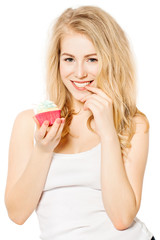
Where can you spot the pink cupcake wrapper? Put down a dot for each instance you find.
(50, 116)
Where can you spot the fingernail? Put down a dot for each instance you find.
(46, 122)
(58, 120)
(62, 120)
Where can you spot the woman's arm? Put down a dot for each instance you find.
(27, 167)
(122, 179)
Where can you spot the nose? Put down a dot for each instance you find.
(80, 70)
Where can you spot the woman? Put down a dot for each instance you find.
(84, 174)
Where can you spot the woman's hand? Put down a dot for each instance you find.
(101, 106)
(47, 138)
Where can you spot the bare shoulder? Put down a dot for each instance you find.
(23, 129)
(25, 115)
(140, 138)
(24, 120)
(141, 123)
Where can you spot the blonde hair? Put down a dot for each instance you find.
(116, 75)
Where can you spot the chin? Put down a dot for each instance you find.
(80, 95)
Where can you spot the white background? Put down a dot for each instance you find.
(24, 28)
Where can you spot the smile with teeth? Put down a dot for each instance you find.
(82, 84)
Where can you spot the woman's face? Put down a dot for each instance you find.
(78, 64)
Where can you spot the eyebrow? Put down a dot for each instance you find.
(88, 55)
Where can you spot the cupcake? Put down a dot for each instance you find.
(47, 110)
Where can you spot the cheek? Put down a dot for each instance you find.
(93, 69)
(64, 70)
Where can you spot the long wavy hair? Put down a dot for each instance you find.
(116, 76)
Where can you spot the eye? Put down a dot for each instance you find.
(92, 59)
(68, 59)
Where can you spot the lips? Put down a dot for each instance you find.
(82, 88)
(82, 82)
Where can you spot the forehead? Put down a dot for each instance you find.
(76, 42)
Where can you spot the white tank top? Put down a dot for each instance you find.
(71, 206)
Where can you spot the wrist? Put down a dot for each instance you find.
(109, 136)
(42, 152)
